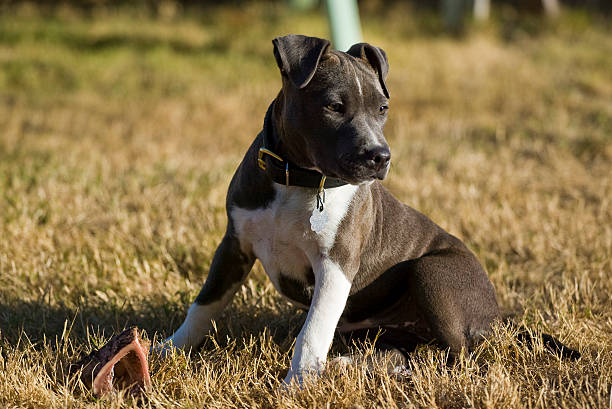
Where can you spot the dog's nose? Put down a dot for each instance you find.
(378, 158)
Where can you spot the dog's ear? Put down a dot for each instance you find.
(297, 57)
(374, 56)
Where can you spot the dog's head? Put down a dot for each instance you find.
(334, 107)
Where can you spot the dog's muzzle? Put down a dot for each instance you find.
(377, 160)
(368, 165)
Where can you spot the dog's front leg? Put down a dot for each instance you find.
(314, 340)
(229, 268)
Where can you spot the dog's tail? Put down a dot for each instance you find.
(551, 343)
(528, 338)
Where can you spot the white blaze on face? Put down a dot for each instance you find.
(358, 84)
(357, 80)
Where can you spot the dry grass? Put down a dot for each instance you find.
(118, 136)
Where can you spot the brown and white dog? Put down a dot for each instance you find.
(306, 201)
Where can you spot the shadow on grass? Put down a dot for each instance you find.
(38, 321)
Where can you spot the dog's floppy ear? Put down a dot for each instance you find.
(374, 56)
(297, 57)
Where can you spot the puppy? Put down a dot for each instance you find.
(306, 201)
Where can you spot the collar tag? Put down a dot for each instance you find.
(319, 217)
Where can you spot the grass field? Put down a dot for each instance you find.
(119, 133)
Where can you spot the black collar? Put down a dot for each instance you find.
(284, 172)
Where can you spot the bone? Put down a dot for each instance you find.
(120, 364)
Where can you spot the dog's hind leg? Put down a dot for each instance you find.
(229, 268)
(453, 292)
(454, 295)
(448, 301)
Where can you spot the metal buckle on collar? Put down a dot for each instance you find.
(261, 162)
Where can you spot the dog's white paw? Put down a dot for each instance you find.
(298, 378)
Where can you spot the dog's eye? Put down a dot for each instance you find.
(335, 107)
(383, 109)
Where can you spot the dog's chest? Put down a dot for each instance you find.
(281, 237)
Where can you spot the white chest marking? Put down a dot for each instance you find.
(280, 234)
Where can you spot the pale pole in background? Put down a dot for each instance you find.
(551, 7)
(482, 9)
(344, 23)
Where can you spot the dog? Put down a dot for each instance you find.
(307, 202)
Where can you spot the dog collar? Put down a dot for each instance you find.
(286, 173)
